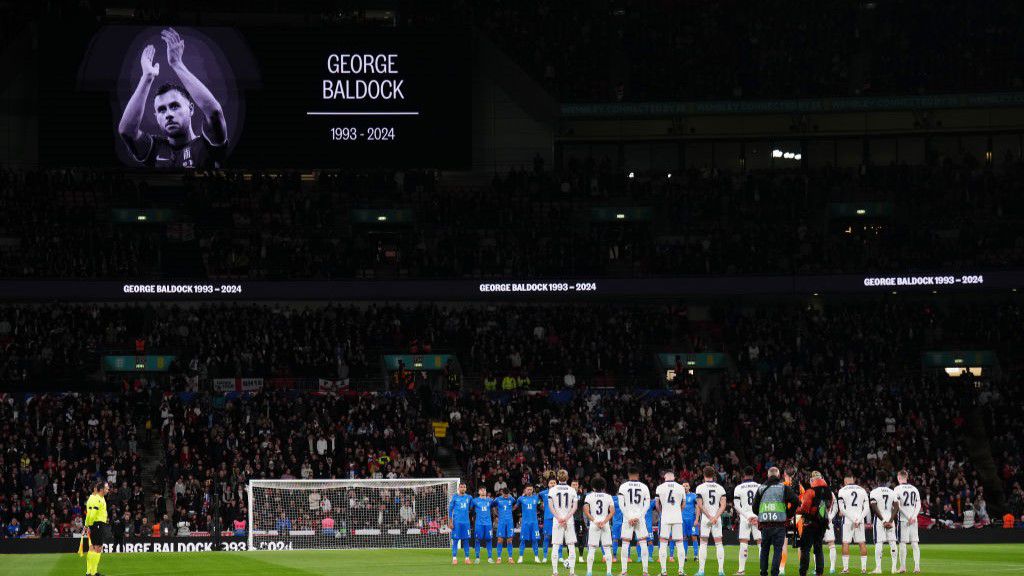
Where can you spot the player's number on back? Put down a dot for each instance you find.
(634, 496)
(750, 497)
(854, 501)
(909, 499)
(563, 499)
(600, 507)
(671, 499)
(711, 498)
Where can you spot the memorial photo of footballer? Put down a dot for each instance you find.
(193, 129)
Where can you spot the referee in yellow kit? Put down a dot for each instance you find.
(96, 524)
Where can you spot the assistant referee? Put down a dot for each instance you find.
(96, 524)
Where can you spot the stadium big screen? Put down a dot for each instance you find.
(216, 97)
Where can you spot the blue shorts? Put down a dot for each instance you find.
(650, 532)
(460, 531)
(529, 532)
(688, 529)
(616, 532)
(482, 532)
(505, 529)
(549, 523)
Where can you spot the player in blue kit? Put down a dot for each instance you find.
(458, 521)
(616, 528)
(691, 530)
(548, 517)
(649, 520)
(528, 528)
(482, 525)
(506, 526)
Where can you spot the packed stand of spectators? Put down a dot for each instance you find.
(58, 224)
(53, 448)
(824, 359)
(821, 361)
(849, 396)
(842, 356)
(525, 224)
(1001, 405)
(213, 446)
(337, 341)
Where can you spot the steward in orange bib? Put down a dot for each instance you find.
(814, 505)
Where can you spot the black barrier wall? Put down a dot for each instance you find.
(507, 290)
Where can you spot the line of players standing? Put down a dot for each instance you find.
(685, 516)
(538, 534)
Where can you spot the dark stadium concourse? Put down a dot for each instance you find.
(395, 285)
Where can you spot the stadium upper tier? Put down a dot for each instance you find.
(587, 220)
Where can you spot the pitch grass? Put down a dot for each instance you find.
(972, 559)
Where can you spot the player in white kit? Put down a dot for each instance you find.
(883, 502)
(908, 502)
(634, 499)
(853, 507)
(563, 500)
(710, 506)
(670, 500)
(830, 535)
(599, 508)
(742, 502)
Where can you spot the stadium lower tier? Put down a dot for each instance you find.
(180, 462)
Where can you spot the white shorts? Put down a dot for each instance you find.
(560, 535)
(907, 532)
(640, 531)
(671, 531)
(599, 536)
(883, 534)
(709, 531)
(748, 532)
(830, 533)
(851, 534)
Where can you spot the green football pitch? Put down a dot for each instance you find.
(973, 559)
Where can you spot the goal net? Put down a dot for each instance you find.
(332, 514)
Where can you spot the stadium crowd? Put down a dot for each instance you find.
(213, 446)
(844, 378)
(54, 447)
(524, 224)
(337, 341)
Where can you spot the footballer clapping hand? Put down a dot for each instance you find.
(175, 46)
(150, 68)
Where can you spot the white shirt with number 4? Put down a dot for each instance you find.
(671, 496)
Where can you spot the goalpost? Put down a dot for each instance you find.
(335, 514)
